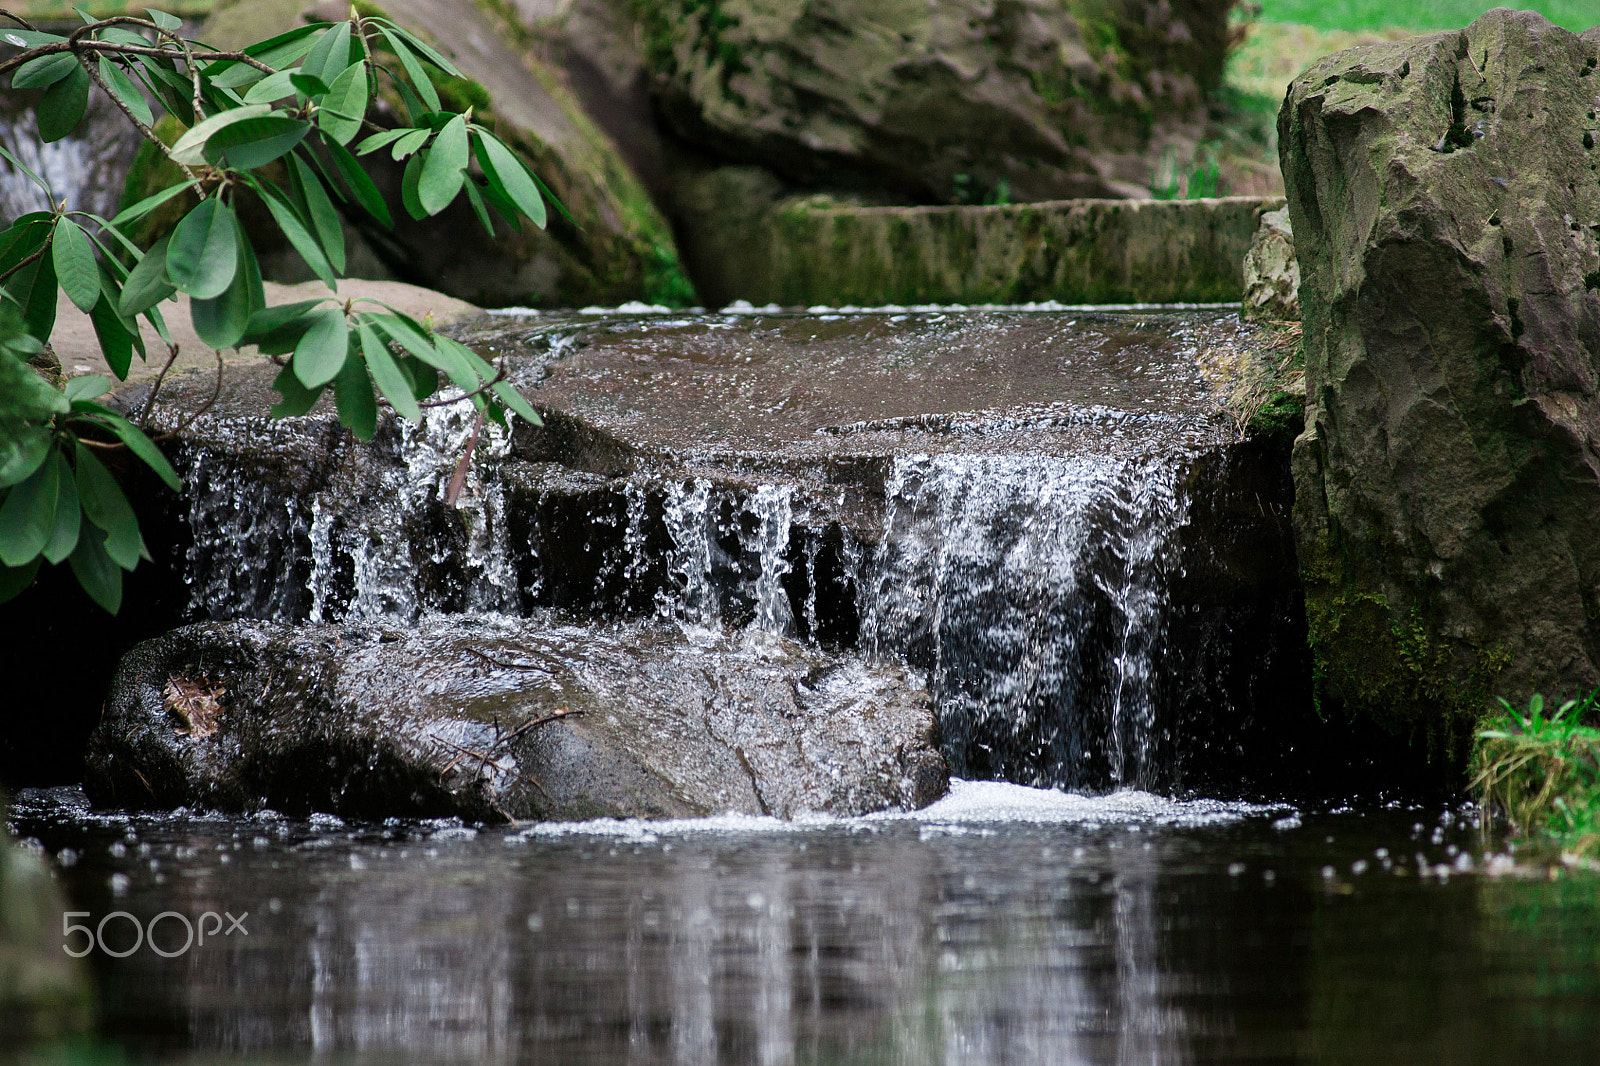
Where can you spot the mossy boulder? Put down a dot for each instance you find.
(1446, 212)
(967, 101)
(617, 246)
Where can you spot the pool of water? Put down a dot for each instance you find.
(1001, 925)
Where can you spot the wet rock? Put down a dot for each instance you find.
(956, 102)
(1032, 510)
(487, 720)
(620, 248)
(45, 994)
(1446, 218)
(1271, 272)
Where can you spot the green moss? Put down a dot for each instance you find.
(1386, 665)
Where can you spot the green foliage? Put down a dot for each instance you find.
(1167, 181)
(1575, 15)
(274, 120)
(1542, 770)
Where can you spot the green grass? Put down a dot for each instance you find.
(1576, 15)
(1543, 770)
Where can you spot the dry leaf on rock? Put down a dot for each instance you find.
(195, 705)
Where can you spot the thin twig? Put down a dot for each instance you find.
(20, 21)
(58, 47)
(534, 723)
(26, 260)
(459, 478)
(216, 391)
(155, 390)
(148, 133)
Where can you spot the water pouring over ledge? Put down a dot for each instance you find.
(1046, 515)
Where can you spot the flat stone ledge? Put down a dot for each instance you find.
(1069, 251)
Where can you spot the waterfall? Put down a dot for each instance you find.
(1032, 590)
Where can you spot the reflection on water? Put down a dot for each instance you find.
(1001, 926)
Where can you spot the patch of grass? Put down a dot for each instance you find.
(1543, 770)
(1575, 15)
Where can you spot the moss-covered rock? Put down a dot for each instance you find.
(1446, 217)
(959, 102)
(756, 244)
(616, 247)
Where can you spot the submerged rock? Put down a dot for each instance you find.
(1447, 222)
(494, 720)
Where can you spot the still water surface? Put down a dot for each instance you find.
(1002, 925)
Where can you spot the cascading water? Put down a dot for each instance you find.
(1023, 561)
(1031, 590)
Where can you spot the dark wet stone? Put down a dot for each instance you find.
(1447, 222)
(372, 721)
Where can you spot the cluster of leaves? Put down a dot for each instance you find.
(276, 120)
(1543, 770)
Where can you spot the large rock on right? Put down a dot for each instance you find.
(1445, 206)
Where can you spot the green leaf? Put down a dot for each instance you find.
(28, 173)
(22, 449)
(312, 200)
(355, 400)
(270, 320)
(475, 198)
(419, 77)
(503, 390)
(137, 211)
(445, 167)
(427, 51)
(371, 144)
(391, 382)
(255, 142)
(116, 340)
(221, 320)
(361, 186)
(139, 444)
(105, 504)
(503, 169)
(321, 353)
(74, 262)
(28, 38)
(63, 104)
(203, 255)
(112, 293)
(100, 577)
(277, 52)
(46, 70)
(271, 88)
(409, 144)
(87, 387)
(147, 283)
(345, 105)
(190, 148)
(64, 535)
(300, 238)
(14, 580)
(309, 86)
(28, 515)
(123, 88)
(408, 186)
(34, 287)
(170, 23)
(297, 399)
(330, 55)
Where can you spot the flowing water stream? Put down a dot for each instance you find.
(1048, 518)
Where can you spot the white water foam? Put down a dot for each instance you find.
(967, 803)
